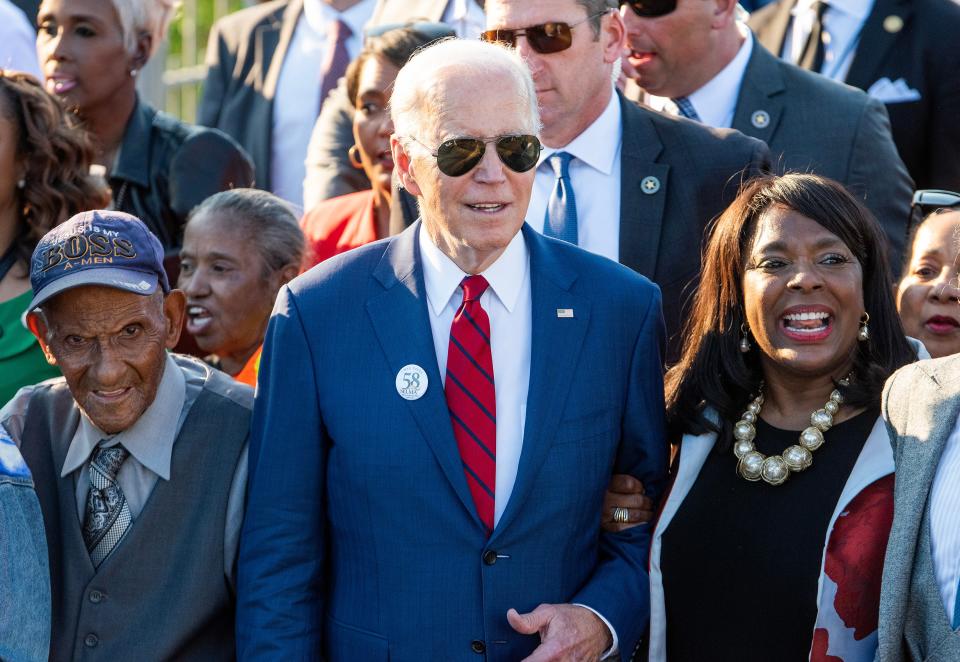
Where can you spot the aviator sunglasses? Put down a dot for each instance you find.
(458, 156)
(650, 8)
(544, 38)
(927, 201)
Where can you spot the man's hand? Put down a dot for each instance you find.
(625, 492)
(567, 632)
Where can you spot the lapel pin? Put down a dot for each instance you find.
(760, 119)
(412, 382)
(649, 185)
(564, 312)
(893, 24)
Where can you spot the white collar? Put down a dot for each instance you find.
(319, 14)
(716, 101)
(150, 439)
(598, 144)
(442, 277)
(858, 9)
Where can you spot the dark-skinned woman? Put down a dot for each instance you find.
(158, 167)
(770, 543)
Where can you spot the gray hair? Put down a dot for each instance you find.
(269, 222)
(144, 16)
(416, 90)
(595, 7)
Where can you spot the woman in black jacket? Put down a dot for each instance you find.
(158, 167)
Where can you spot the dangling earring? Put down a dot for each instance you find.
(863, 335)
(744, 339)
(354, 154)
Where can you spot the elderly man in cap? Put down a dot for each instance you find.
(138, 456)
(439, 413)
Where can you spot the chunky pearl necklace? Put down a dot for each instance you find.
(754, 465)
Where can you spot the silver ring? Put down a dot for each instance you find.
(621, 515)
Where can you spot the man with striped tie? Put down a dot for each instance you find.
(138, 456)
(439, 413)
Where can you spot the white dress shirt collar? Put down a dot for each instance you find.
(857, 9)
(442, 277)
(716, 101)
(150, 439)
(319, 14)
(599, 144)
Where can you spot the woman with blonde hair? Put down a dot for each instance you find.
(158, 167)
(44, 180)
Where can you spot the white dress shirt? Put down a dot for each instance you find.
(297, 101)
(466, 17)
(508, 304)
(716, 101)
(842, 20)
(595, 176)
(945, 522)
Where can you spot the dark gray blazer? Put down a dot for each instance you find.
(921, 403)
(698, 171)
(244, 56)
(814, 124)
(922, 51)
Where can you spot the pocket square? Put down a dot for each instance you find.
(889, 91)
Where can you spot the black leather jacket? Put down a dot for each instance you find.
(166, 167)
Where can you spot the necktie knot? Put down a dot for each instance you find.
(474, 287)
(339, 31)
(560, 162)
(685, 108)
(109, 460)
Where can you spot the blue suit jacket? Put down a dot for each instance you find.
(361, 540)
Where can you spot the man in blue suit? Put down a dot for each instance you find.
(439, 413)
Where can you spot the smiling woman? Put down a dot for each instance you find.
(775, 405)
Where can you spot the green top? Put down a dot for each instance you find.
(21, 359)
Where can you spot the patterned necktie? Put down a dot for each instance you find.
(108, 515)
(561, 218)
(471, 397)
(956, 610)
(812, 57)
(685, 108)
(337, 59)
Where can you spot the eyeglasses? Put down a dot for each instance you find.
(931, 200)
(550, 37)
(458, 156)
(650, 8)
(430, 29)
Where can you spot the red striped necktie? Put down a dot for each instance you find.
(471, 397)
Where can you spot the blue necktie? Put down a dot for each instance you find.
(561, 218)
(956, 610)
(685, 108)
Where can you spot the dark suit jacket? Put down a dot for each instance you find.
(698, 170)
(925, 55)
(361, 540)
(244, 56)
(851, 143)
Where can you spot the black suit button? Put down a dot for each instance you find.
(489, 557)
(96, 597)
(91, 640)
(478, 647)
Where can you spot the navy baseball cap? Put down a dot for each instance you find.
(107, 248)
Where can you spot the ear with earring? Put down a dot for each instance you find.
(863, 335)
(744, 338)
(354, 155)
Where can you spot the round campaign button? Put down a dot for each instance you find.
(893, 24)
(412, 382)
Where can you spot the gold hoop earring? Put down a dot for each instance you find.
(354, 155)
(863, 335)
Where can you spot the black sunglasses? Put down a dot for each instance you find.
(544, 38)
(650, 8)
(458, 156)
(429, 29)
(931, 200)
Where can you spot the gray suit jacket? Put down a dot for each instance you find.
(921, 403)
(813, 124)
(244, 56)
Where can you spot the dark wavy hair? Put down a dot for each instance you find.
(56, 154)
(712, 371)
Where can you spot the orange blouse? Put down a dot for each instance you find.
(339, 224)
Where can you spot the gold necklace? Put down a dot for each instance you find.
(774, 470)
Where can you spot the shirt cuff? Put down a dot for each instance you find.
(615, 647)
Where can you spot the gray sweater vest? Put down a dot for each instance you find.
(162, 593)
(927, 634)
